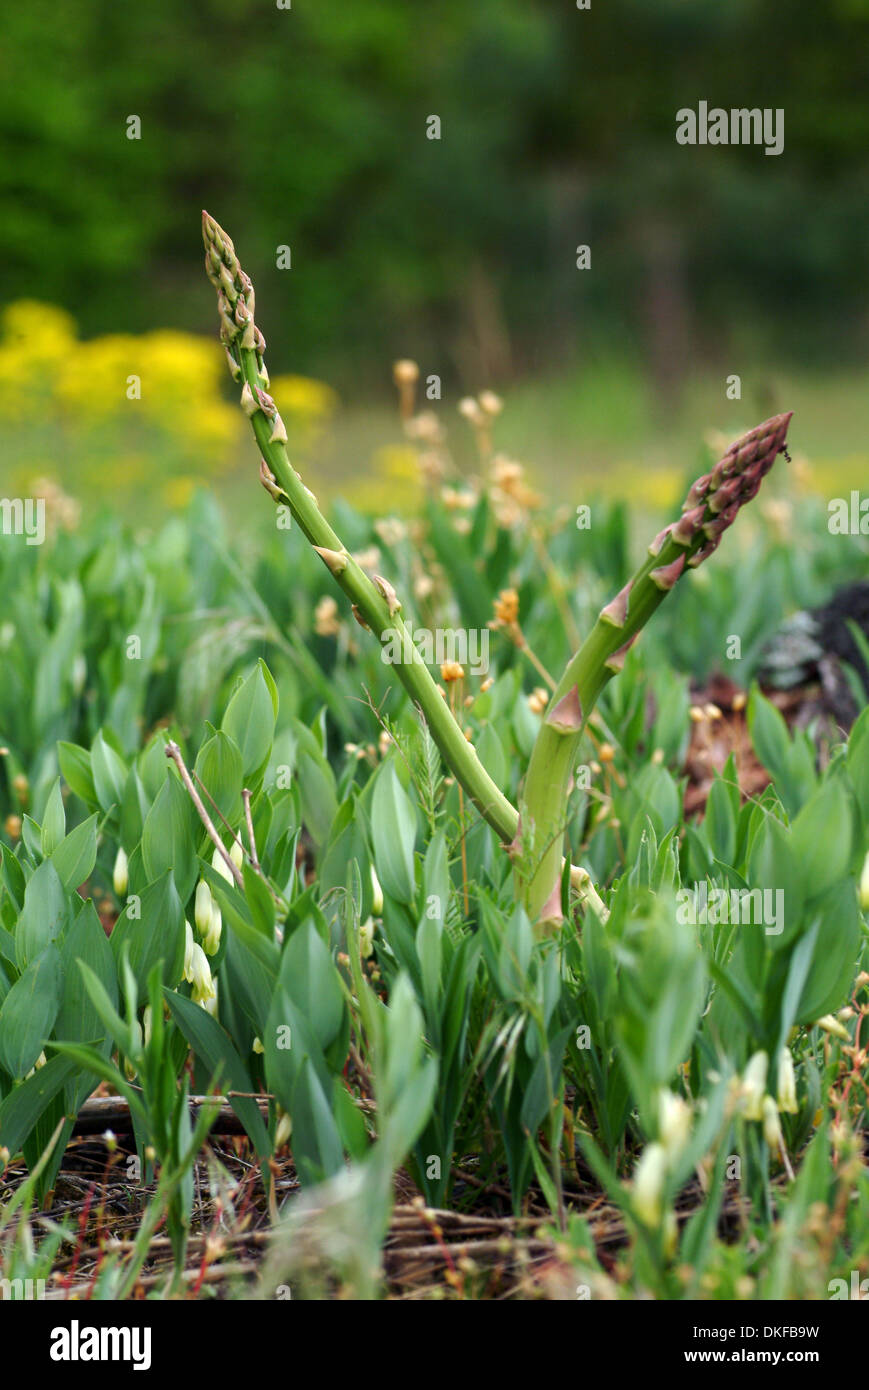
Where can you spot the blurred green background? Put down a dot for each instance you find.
(307, 127)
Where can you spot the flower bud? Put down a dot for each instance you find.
(219, 863)
(202, 907)
(257, 1046)
(120, 876)
(236, 853)
(787, 1085)
(366, 938)
(754, 1086)
(211, 941)
(831, 1025)
(674, 1122)
(147, 1019)
(771, 1126)
(648, 1185)
(188, 952)
(377, 894)
(284, 1129)
(202, 981)
(210, 1003)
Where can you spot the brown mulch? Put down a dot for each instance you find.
(714, 738)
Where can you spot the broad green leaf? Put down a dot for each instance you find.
(76, 855)
(169, 837)
(109, 773)
(393, 832)
(43, 916)
(209, 1041)
(53, 820)
(250, 721)
(219, 770)
(151, 927)
(75, 768)
(822, 838)
(22, 1108)
(28, 1013)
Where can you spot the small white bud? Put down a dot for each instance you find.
(649, 1177)
(212, 936)
(202, 907)
(188, 952)
(202, 981)
(754, 1086)
(771, 1126)
(831, 1025)
(120, 877)
(219, 863)
(787, 1084)
(366, 938)
(674, 1122)
(236, 853)
(284, 1129)
(377, 894)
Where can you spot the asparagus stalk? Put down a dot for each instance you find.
(375, 603)
(709, 509)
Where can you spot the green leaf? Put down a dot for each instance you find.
(53, 820)
(219, 769)
(393, 832)
(134, 809)
(151, 927)
(28, 1013)
(75, 768)
(75, 856)
(169, 839)
(250, 721)
(209, 1041)
(43, 915)
(85, 946)
(109, 773)
(822, 838)
(317, 1149)
(311, 980)
(831, 972)
(24, 1105)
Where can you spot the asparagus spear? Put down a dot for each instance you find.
(375, 603)
(709, 509)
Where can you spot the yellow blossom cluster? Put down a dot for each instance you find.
(160, 394)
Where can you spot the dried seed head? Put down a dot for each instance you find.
(506, 608)
(405, 372)
(490, 403)
(452, 671)
(326, 620)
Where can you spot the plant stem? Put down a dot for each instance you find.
(374, 602)
(710, 508)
